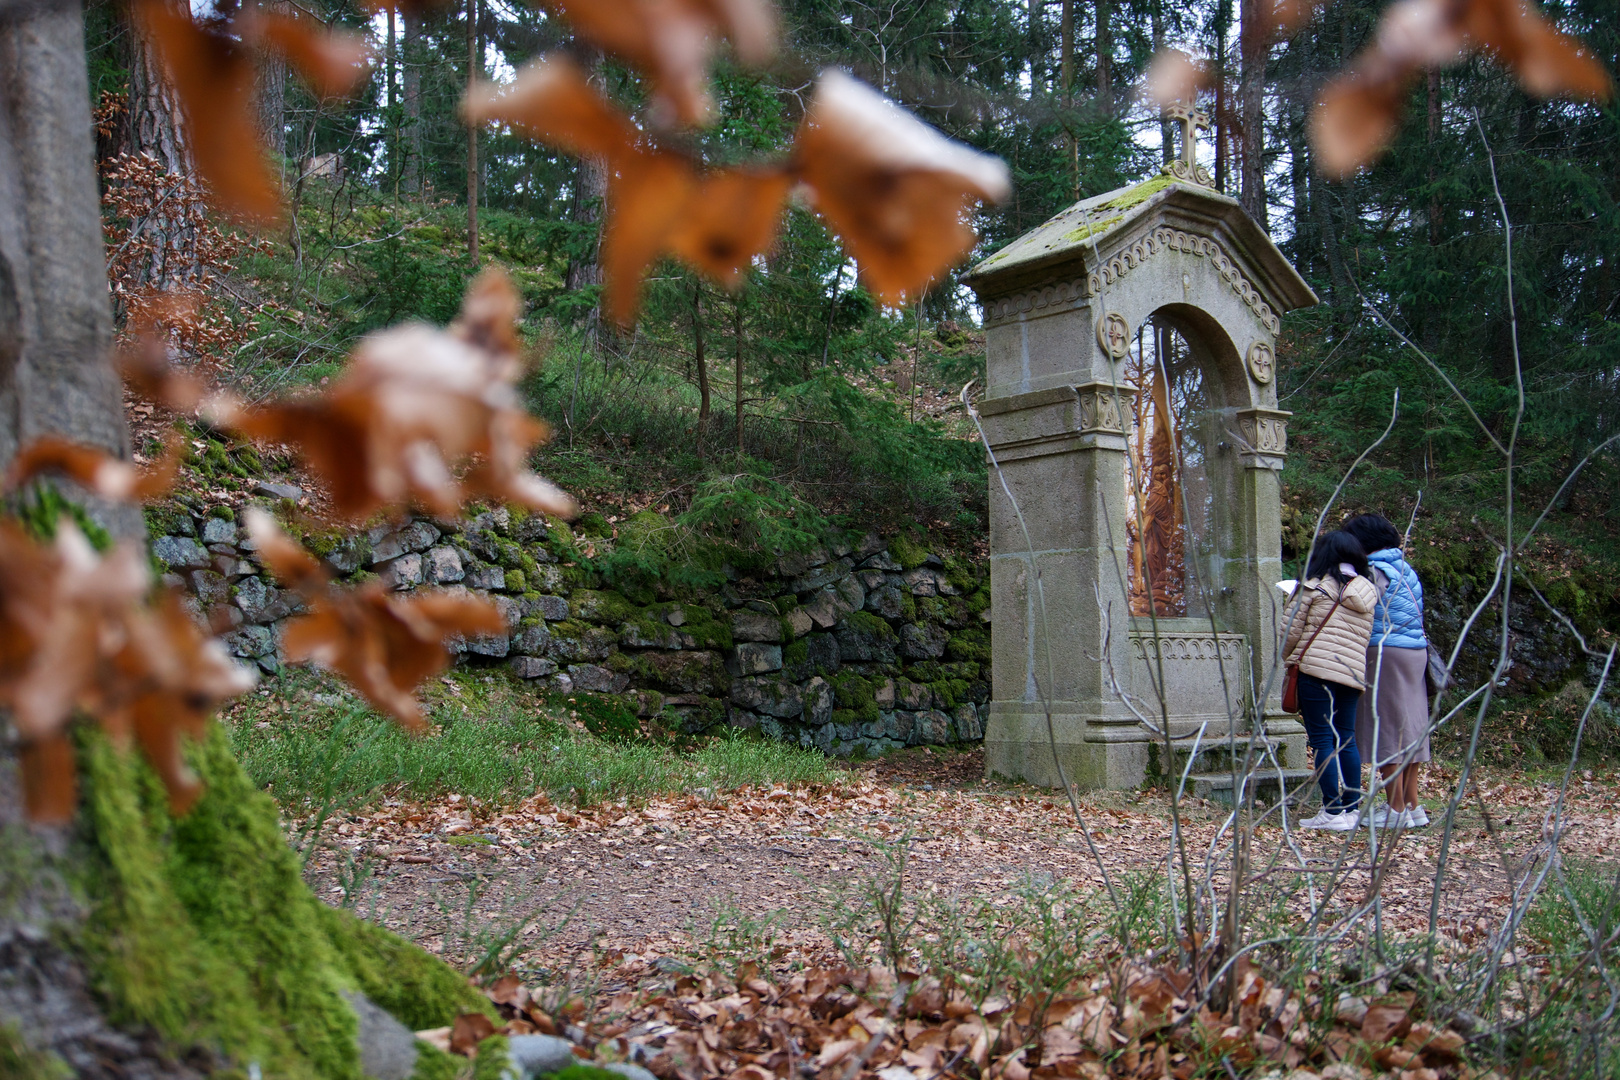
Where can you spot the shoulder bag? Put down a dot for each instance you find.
(1290, 688)
(1436, 673)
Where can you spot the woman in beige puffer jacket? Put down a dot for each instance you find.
(1328, 627)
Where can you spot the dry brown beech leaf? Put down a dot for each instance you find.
(292, 566)
(64, 609)
(1359, 111)
(646, 193)
(414, 403)
(468, 1031)
(384, 646)
(147, 372)
(1173, 78)
(731, 216)
(658, 202)
(96, 469)
(553, 101)
(1549, 63)
(1275, 19)
(212, 74)
(177, 676)
(75, 633)
(893, 188)
(333, 61)
(672, 42)
(49, 774)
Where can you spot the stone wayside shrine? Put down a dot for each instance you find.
(1132, 405)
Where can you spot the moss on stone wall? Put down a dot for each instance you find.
(907, 552)
(970, 643)
(202, 926)
(18, 1062)
(710, 630)
(855, 695)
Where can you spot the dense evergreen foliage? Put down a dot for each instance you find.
(1053, 89)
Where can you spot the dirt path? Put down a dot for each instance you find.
(573, 887)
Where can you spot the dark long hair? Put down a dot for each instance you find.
(1374, 531)
(1332, 549)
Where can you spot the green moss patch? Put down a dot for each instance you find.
(434, 1064)
(1097, 228)
(204, 930)
(492, 1060)
(867, 623)
(907, 552)
(973, 644)
(583, 1072)
(1140, 194)
(18, 1062)
(856, 695)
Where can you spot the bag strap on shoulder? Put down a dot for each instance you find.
(1312, 640)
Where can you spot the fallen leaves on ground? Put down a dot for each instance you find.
(1131, 1019)
(639, 874)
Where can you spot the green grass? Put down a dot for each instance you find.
(309, 743)
(1570, 1027)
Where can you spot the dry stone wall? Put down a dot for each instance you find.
(855, 647)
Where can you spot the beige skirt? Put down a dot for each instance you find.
(1395, 718)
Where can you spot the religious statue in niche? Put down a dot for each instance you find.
(1154, 526)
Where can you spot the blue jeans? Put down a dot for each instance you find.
(1329, 712)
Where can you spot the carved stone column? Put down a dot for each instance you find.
(1060, 586)
(1253, 602)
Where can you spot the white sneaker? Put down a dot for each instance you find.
(1415, 818)
(1380, 816)
(1327, 819)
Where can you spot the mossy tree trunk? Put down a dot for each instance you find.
(132, 935)
(55, 319)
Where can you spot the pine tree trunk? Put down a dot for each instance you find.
(1433, 140)
(1066, 81)
(272, 90)
(1105, 57)
(55, 321)
(590, 189)
(702, 362)
(154, 111)
(1037, 69)
(1167, 137)
(1251, 101)
(1223, 129)
(474, 72)
(1299, 178)
(155, 128)
(737, 345)
(411, 78)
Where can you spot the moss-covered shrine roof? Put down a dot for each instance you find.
(1092, 227)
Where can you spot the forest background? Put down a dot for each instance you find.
(797, 404)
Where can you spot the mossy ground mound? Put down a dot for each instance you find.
(202, 928)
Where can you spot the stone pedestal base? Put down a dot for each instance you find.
(1103, 752)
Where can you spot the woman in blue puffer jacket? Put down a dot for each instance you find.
(1392, 720)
